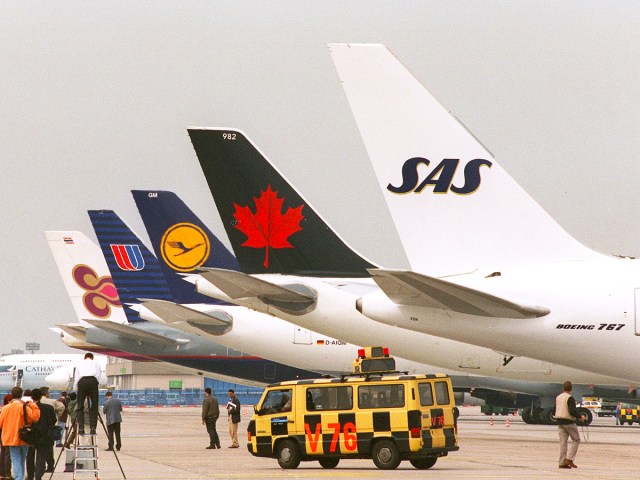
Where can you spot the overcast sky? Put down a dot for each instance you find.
(95, 98)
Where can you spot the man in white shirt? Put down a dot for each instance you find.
(86, 377)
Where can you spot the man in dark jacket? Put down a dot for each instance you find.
(112, 409)
(44, 425)
(233, 410)
(210, 414)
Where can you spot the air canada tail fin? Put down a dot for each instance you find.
(85, 276)
(270, 225)
(455, 208)
(181, 240)
(135, 271)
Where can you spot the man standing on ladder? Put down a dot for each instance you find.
(86, 382)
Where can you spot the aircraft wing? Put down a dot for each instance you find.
(240, 285)
(73, 329)
(411, 288)
(124, 330)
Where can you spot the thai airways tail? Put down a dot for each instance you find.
(455, 208)
(85, 276)
(271, 227)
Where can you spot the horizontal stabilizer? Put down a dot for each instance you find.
(73, 329)
(410, 288)
(241, 285)
(133, 333)
(174, 313)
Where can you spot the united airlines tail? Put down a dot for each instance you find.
(86, 276)
(270, 225)
(455, 208)
(134, 269)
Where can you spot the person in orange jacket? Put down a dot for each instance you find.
(11, 421)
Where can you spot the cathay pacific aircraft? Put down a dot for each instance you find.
(42, 369)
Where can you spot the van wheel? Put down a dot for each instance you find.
(329, 462)
(288, 454)
(385, 455)
(423, 463)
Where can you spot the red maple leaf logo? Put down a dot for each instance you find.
(268, 227)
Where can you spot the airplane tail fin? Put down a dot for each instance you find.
(455, 208)
(85, 276)
(270, 225)
(135, 271)
(181, 240)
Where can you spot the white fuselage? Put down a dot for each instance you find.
(593, 314)
(283, 342)
(335, 314)
(37, 370)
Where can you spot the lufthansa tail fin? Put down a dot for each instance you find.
(455, 208)
(135, 271)
(182, 242)
(270, 225)
(85, 276)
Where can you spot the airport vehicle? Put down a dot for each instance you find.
(499, 271)
(316, 281)
(607, 409)
(593, 405)
(38, 369)
(629, 415)
(494, 410)
(376, 412)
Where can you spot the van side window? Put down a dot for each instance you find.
(426, 395)
(329, 398)
(381, 396)
(276, 401)
(442, 393)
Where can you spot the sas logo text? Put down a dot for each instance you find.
(440, 177)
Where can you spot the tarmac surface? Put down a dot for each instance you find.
(169, 443)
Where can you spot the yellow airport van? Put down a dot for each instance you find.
(375, 412)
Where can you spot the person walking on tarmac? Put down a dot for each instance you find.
(566, 415)
(210, 414)
(233, 410)
(86, 382)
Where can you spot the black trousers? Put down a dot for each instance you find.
(214, 440)
(114, 429)
(87, 388)
(37, 460)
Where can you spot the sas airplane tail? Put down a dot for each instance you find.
(455, 208)
(270, 225)
(86, 277)
(182, 242)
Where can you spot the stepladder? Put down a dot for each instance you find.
(85, 461)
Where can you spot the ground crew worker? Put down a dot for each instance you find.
(566, 415)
